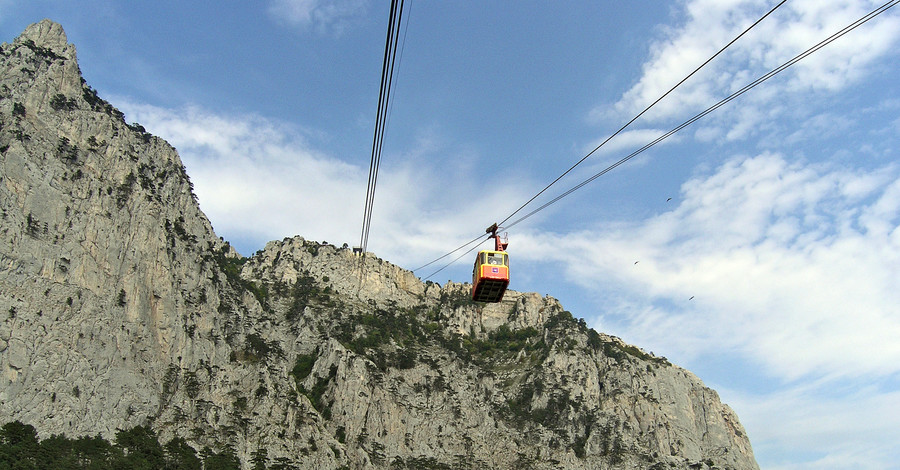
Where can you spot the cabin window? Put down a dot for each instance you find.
(496, 259)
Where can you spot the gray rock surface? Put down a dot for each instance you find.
(120, 306)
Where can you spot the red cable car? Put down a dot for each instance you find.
(490, 276)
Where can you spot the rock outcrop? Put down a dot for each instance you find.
(119, 306)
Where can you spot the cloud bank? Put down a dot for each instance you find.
(708, 25)
(258, 180)
(793, 265)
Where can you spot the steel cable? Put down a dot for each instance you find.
(690, 121)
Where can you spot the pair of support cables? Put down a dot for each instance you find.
(384, 96)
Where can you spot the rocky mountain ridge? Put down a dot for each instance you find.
(119, 306)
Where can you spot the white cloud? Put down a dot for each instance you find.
(844, 60)
(318, 14)
(259, 180)
(790, 30)
(628, 140)
(793, 266)
(836, 427)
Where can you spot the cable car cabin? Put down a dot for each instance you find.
(490, 276)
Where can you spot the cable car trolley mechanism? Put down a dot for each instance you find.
(490, 276)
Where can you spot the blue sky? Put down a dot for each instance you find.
(772, 272)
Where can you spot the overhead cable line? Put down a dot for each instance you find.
(721, 103)
(458, 257)
(697, 117)
(579, 162)
(635, 118)
(384, 94)
(479, 237)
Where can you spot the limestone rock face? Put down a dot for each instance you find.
(104, 255)
(119, 306)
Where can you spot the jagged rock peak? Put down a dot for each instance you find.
(120, 307)
(49, 35)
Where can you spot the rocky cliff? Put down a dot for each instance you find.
(119, 306)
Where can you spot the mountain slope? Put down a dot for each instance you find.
(119, 306)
